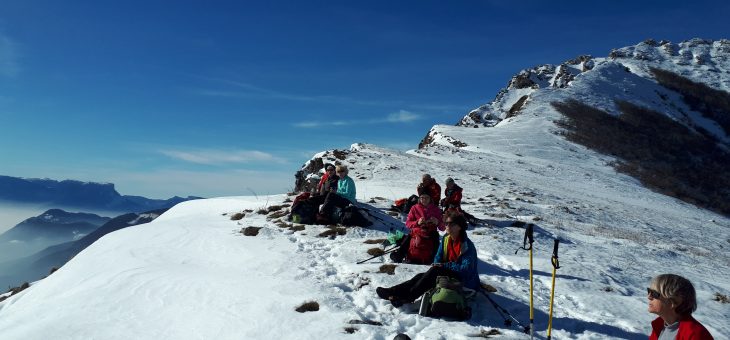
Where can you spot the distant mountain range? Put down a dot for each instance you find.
(38, 265)
(54, 224)
(77, 194)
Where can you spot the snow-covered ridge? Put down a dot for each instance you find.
(703, 61)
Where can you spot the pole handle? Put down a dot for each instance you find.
(554, 260)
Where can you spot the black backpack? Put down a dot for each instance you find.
(304, 212)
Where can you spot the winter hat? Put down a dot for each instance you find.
(449, 180)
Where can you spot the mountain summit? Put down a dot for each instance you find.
(233, 267)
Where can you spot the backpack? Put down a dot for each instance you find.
(413, 200)
(446, 300)
(304, 212)
(351, 216)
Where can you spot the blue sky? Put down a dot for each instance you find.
(231, 97)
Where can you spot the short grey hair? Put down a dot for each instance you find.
(678, 290)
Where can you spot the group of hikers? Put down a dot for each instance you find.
(453, 257)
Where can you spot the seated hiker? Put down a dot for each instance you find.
(456, 258)
(328, 182)
(452, 195)
(423, 220)
(335, 201)
(345, 184)
(428, 185)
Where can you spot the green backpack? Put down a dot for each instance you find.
(446, 300)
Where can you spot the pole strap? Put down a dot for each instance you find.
(528, 239)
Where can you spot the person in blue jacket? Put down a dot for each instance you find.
(456, 258)
(345, 186)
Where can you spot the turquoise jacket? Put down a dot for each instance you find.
(346, 188)
(465, 265)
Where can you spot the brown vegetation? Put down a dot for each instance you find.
(664, 155)
(375, 252)
(250, 231)
(387, 269)
(713, 104)
(237, 216)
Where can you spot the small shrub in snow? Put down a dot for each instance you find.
(237, 216)
(277, 214)
(375, 252)
(721, 298)
(262, 211)
(375, 241)
(250, 231)
(333, 231)
(489, 288)
(387, 269)
(275, 208)
(350, 330)
(310, 306)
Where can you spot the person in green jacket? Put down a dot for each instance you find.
(345, 186)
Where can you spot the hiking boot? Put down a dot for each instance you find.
(396, 302)
(384, 293)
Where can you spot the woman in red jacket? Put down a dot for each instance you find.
(673, 298)
(423, 219)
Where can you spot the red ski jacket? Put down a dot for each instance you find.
(424, 237)
(689, 329)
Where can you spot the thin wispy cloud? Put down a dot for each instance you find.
(401, 116)
(9, 66)
(246, 90)
(220, 157)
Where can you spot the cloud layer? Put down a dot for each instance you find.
(401, 116)
(219, 157)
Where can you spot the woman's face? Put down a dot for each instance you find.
(424, 199)
(658, 304)
(452, 228)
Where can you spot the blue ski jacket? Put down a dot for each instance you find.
(465, 265)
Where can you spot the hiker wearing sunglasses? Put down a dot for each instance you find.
(673, 298)
(456, 258)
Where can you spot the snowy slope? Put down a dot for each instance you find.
(190, 274)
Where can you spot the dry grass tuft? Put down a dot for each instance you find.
(387, 269)
(297, 227)
(721, 298)
(350, 330)
(333, 231)
(237, 216)
(489, 288)
(375, 241)
(250, 231)
(277, 214)
(310, 306)
(375, 251)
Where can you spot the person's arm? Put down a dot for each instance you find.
(439, 252)
(412, 220)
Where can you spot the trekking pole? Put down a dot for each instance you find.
(556, 265)
(385, 252)
(529, 237)
(502, 312)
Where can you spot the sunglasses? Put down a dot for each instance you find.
(653, 293)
